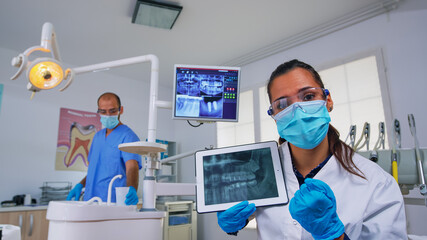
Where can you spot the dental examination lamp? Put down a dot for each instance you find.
(47, 73)
(42, 73)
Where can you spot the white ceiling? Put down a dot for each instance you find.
(207, 32)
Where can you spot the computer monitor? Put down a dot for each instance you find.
(206, 93)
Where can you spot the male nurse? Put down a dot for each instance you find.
(105, 158)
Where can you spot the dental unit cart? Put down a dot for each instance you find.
(180, 221)
(97, 220)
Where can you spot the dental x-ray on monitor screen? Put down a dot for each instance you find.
(206, 93)
(227, 176)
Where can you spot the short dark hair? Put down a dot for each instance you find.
(291, 65)
(110, 94)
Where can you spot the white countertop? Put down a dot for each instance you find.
(23, 208)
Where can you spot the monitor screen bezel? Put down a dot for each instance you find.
(205, 119)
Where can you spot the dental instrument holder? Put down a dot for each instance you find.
(366, 132)
(395, 145)
(398, 138)
(407, 164)
(352, 135)
(380, 142)
(149, 148)
(419, 160)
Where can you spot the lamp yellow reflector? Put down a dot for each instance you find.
(46, 75)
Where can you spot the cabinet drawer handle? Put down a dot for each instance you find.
(31, 225)
(20, 221)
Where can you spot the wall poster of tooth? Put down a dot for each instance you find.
(76, 131)
(227, 176)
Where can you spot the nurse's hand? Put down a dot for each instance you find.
(234, 218)
(314, 207)
(131, 197)
(75, 192)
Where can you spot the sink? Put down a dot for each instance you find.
(70, 220)
(82, 211)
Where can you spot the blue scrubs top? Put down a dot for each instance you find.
(107, 161)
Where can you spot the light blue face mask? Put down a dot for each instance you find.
(110, 122)
(304, 124)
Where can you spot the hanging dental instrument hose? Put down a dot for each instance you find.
(351, 135)
(412, 127)
(395, 144)
(365, 135)
(367, 131)
(379, 143)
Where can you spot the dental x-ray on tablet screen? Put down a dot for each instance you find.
(227, 176)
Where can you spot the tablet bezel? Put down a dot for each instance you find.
(282, 197)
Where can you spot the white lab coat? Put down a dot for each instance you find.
(369, 209)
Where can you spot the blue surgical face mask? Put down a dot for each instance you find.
(304, 124)
(110, 122)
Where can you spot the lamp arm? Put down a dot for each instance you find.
(69, 74)
(164, 104)
(48, 40)
(112, 64)
(178, 156)
(154, 84)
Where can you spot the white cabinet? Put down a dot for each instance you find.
(180, 221)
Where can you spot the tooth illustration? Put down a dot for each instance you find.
(80, 141)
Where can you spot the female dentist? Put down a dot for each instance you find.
(334, 193)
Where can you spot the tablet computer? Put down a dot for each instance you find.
(227, 176)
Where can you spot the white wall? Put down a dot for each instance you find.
(402, 36)
(29, 128)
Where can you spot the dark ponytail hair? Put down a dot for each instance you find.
(342, 152)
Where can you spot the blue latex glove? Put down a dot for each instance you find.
(234, 218)
(131, 197)
(314, 207)
(75, 192)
